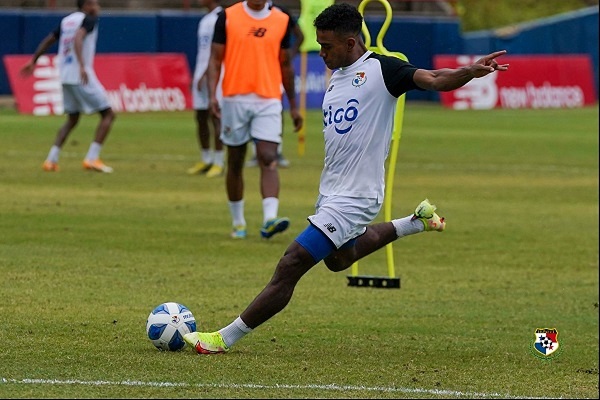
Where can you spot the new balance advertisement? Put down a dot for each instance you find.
(537, 81)
(134, 83)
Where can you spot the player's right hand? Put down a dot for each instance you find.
(27, 69)
(297, 119)
(214, 108)
(83, 75)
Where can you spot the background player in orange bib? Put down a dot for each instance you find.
(251, 42)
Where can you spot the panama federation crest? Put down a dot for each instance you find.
(546, 343)
(359, 79)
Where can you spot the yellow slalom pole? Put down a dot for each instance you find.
(397, 130)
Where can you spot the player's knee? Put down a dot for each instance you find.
(295, 262)
(73, 119)
(108, 115)
(335, 266)
(337, 263)
(268, 160)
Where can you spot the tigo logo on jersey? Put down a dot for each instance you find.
(546, 343)
(341, 118)
(359, 79)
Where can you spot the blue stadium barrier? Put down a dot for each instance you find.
(11, 26)
(178, 34)
(569, 33)
(128, 33)
(420, 39)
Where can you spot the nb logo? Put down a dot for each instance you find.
(341, 118)
(330, 228)
(257, 32)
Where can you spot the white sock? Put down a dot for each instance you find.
(206, 156)
(218, 157)
(53, 154)
(94, 151)
(270, 208)
(234, 332)
(280, 148)
(236, 208)
(405, 226)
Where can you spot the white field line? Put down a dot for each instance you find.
(332, 387)
(410, 166)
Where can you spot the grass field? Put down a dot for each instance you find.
(84, 257)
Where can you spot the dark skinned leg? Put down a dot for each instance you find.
(107, 118)
(375, 237)
(234, 180)
(277, 294)
(66, 129)
(266, 155)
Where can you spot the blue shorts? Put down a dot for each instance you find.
(318, 244)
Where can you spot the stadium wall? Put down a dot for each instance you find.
(419, 38)
(569, 33)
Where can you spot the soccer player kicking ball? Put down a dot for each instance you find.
(358, 115)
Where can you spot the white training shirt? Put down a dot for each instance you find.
(206, 29)
(68, 64)
(358, 118)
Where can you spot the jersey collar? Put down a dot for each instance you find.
(357, 62)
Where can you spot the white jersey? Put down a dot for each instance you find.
(68, 64)
(206, 29)
(358, 118)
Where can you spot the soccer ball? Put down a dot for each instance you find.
(167, 324)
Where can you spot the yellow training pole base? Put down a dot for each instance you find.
(379, 282)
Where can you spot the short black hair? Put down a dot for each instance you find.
(80, 3)
(340, 18)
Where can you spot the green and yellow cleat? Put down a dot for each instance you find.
(206, 343)
(425, 212)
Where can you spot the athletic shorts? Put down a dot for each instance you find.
(342, 219)
(86, 99)
(200, 98)
(250, 118)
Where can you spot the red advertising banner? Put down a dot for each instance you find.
(134, 82)
(536, 81)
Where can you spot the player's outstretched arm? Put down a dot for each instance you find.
(44, 45)
(446, 79)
